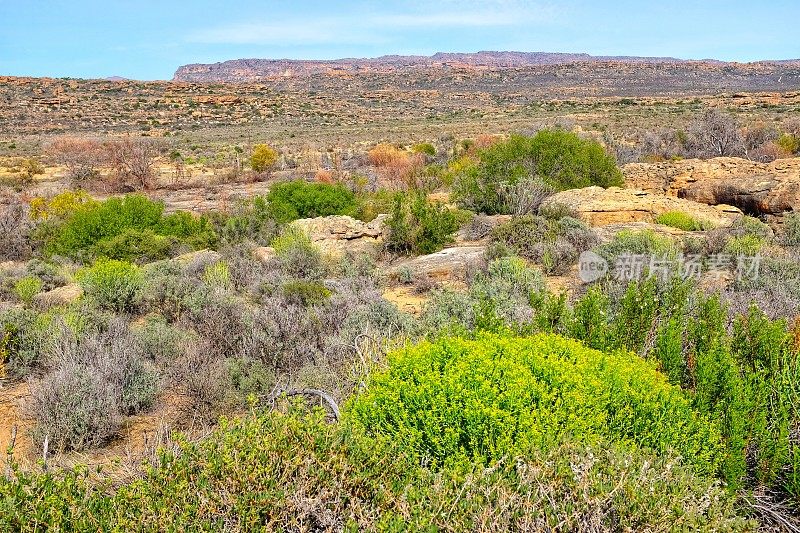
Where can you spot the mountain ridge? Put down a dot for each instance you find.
(256, 69)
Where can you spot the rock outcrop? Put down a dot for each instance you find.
(755, 188)
(600, 207)
(337, 235)
(59, 296)
(450, 264)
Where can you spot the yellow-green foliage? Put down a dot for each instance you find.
(218, 275)
(112, 284)
(263, 157)
(480, 400)
(681, 220)
(744, 245)
(27, 287)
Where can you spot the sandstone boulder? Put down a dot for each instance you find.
(600, 207)
(264, 254)
(57, 297)
(755, 188)
(337, 235)
(450, 264)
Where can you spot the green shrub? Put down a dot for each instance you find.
(28, 287)
(298, 255)
(553, 243)
(790, 143)
(128, 228)
(134, 246)
(419, 226)
(250, 472)
(424, 148)
(218, 275)
(645, 242)
(298, 199)
(681, 220)
(744, 245)
(791, 229)
(562, 159)
(461, 400)
(305, 293)
(263, 158)
(112, 284)
(251, 220)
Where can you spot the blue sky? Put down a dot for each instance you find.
(148, 39)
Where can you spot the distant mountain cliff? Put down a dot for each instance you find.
(247, 70)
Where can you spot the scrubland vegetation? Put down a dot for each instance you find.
(504, 404)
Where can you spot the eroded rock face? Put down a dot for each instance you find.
(755, 188)
(601, 207)
(337, 235)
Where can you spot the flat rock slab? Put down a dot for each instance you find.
(600, 207)
(444, 265)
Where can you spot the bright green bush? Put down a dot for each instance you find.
(218, 275)
(128, 228)
(562, 159)
(111, 284)
(681, 220)
(419, 226)
(744, 245)
(481, 400)
(299, 199)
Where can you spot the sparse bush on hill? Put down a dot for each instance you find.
(81, 157)
(561, 159)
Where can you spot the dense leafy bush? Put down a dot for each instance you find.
(419, 226)
(298, 199)
(128, 228)
(560, 158)
(28, 287)
(112, 284)
(481, 400)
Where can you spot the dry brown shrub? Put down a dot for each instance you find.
(486, 140)
(133, 161)
(385, 154)
(82, 157)
(324, 176)
(397, 168)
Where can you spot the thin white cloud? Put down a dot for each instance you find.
(374, 28)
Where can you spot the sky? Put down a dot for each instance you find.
(149, 39)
